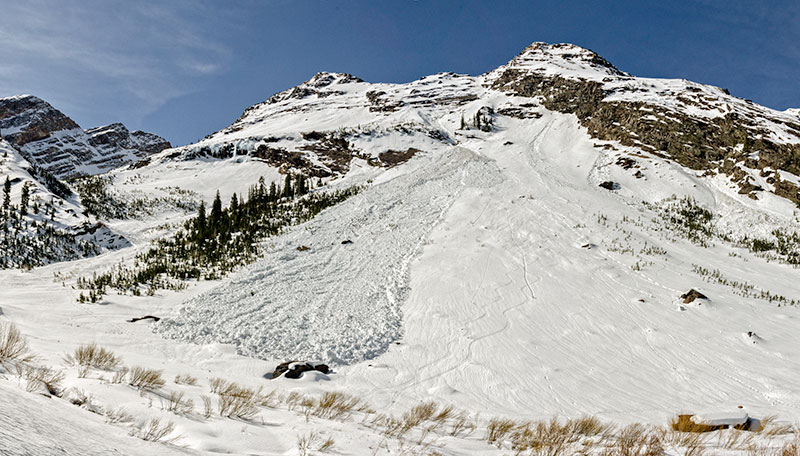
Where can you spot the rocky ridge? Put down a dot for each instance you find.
(701, 127)
(50, 140)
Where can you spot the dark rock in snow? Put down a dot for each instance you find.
(295, 369)
(610, 185)
(691, 295)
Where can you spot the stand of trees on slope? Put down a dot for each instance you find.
(215, 242)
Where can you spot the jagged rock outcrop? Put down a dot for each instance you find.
(52, 141)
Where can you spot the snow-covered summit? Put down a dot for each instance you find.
(559, 59)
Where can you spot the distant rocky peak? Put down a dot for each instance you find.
(324, 79)
(26, 118)
(562, 59)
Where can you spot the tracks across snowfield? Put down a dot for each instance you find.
(336, 302)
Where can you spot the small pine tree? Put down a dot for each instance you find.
(6, 194)
(24, 198)
(216, 214)
(200, 221)
(463, 124)
(287, 186)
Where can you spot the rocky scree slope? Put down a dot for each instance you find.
(50, 140)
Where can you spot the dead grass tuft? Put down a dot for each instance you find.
(185, 379)
(153, 430)
(144, 378)
(237, 401)
(94, 356)
(13, 345)
(42, 376)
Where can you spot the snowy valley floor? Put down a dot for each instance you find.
(496, 277)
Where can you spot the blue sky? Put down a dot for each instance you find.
(184, 68)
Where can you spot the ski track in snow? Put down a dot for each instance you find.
(337, 303)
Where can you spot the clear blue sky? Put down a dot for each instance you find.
(185, 68)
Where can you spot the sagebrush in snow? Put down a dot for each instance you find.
(13, 345)
(144, 378)
(94, 356)
(43, 376)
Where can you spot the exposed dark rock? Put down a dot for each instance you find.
(396, 157)
(347, 241)
(295, 369)
(146, 317)
(610, 185)
(692, 295)
(303, 248)
(696, 142)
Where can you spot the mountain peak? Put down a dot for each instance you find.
(563, 59)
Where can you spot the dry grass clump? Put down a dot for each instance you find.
(185, 379)
(335, 406)
(177, 405)
(462, 425)
(153, 430)
(119, 415)
(13, 345)
(770, 426)
(42, 376)
(237, 401)
(144, 378)
(94, 356)
(636, 440)
(498, 429)
(119, 376)
(306, 443)
(208, 408)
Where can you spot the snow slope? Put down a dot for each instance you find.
(490, 271)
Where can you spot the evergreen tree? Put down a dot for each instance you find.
(6, 194)
(287, 186)
(200, 221)
(273, 192)
(463, 125)
(234, 208)
(216, 214)
(23, 204)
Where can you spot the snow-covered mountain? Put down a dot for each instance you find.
(554, 237)
(44, 222)
(320, 126)
(53, 141)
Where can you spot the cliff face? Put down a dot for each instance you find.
(49, 139)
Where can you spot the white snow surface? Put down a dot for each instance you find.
(340, 301)
(489, 272)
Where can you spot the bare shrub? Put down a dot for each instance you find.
(498, 429)
(144, 378)
(153, 430)
(238, 401)
(119, 415)
(208, 408)
(185, 379)
(42, 376)
(94, 356)
(13, 345)
(462, 425)
(177, 405)
(335, 405)
(326, 445)
(636, 440)
(218, 384)
(119, 376)
(590, 426)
